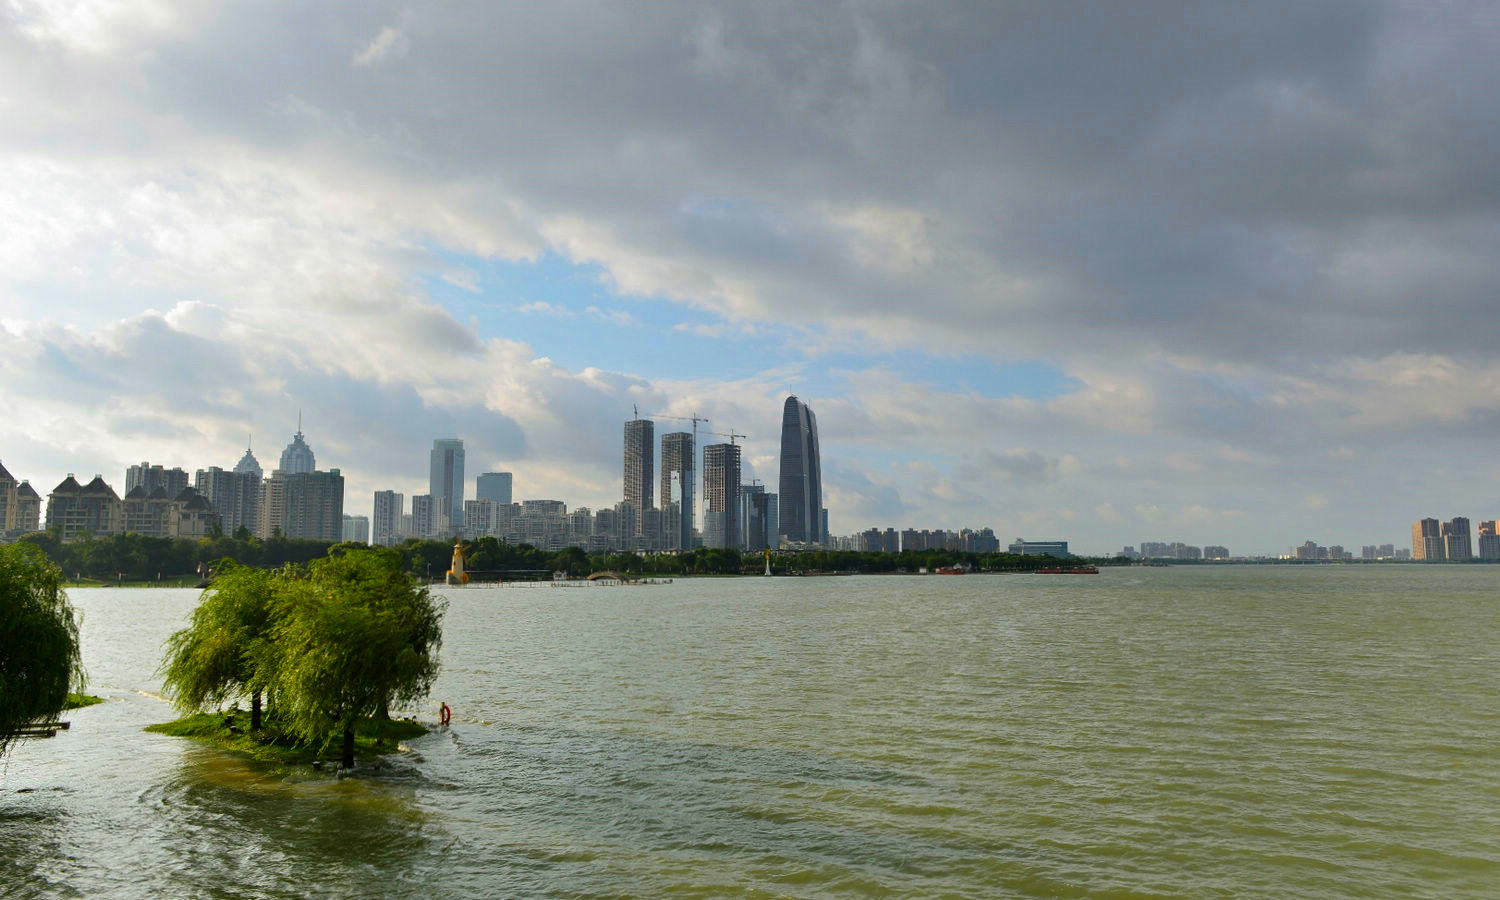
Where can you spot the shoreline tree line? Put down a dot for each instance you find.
(137, 558)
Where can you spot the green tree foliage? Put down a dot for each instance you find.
(39, 658)
(136, 557)
(355, 637)
(224, 651)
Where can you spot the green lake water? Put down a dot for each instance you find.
(1309, 732)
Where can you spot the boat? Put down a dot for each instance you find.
(1071, 570)
(953, 570)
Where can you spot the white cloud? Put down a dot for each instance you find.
(390, 43)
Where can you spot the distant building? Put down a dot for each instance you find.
(74, 509)
(235, 495)
(385, 518)
(20, 507)
(758, 519)
(721, 488)
(1489, 540)
(1039, 548)
(423, 517)
(1387, 551)
(495, 487)
(1427, 540)
(190, 515)
(303, 505)
(297, 458)
(1456, 542)
(801, 478)
(145, 512)
(640, 467)
(150, 477)
(678, 471)
(357, 529)
(1369, 552)
(248, 464)
(27, 511)
(1212, 551)
(446, 485)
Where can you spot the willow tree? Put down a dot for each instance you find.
(39, 658)
(225, 650)
(355, 637)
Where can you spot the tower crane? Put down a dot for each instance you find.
(731, 434)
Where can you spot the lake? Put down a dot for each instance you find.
(1315, 732)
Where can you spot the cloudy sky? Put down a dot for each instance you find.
(1218, 273)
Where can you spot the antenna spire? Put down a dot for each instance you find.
(299, 420)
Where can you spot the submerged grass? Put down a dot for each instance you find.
(372, 737)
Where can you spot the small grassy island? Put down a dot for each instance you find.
(321, 654)
(372, 737)
(79, 701)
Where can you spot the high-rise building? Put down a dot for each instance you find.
(1489, 540)
(801, 482)
(234, 495)
(446, 485)
(303, 505)
(678, 470)
(640, 456)
(1427, 540)
(150, 477)
(721, 489)
(758, 519)
(385, 521)
(494, 487)
(423, 521)
(296, 459)
(1456, 542)
(357, 529)
(249, 464)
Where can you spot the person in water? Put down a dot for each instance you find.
(445, 715)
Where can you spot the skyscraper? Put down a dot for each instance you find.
(677, 474)
(494, 487)
(385, 523)
(234, 495)
(1489, 540)
(152, 477)
(640, 456)
(801, 482)
(721, 494)
(422, 520)
(1427, 540)
(249, 464)
(446, 485)
(303, 505)
(297, 458)
(1456, 542)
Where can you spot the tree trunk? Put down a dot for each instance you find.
(384, 712)
(255, 711)
(348, 760)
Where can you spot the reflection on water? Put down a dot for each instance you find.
(1166, 732)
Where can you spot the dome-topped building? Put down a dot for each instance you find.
(297, 457)
(248, 464)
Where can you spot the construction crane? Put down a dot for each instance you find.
(731, 434)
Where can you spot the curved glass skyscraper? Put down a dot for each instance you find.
(801, 496)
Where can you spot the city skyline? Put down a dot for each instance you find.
(1242, 282)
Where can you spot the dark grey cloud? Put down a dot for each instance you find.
(1262, 231)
